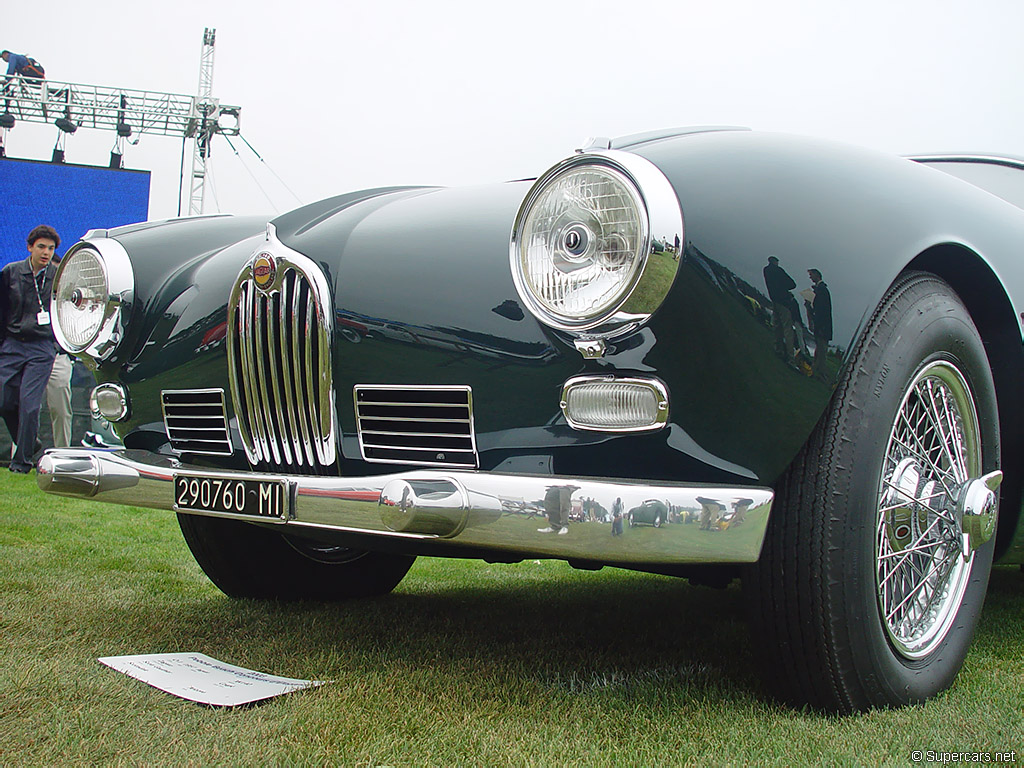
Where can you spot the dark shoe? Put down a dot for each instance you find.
(21, 469)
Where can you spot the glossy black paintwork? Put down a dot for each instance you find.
(424, 295)
(165, 256)
(859, 217)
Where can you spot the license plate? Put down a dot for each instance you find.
(264, 498)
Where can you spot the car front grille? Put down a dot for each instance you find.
(428, 425)
(279, 355)
(196, 421)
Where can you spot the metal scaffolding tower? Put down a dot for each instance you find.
(126, 112)
(206, 105)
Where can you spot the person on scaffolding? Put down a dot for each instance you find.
(23, 66)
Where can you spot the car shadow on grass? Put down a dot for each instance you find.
(500, 630)
(546, 628)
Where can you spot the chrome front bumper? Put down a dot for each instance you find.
(461, 510)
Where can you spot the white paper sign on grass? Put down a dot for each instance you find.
(198, 677)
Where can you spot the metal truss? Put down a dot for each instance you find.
(125, 112)
(207, 106)
(105, 108)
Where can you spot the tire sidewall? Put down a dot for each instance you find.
(250, 561)
(934, 327)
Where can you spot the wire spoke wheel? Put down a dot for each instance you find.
(923, 564)
(880, 543)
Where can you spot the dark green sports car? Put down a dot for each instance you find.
(810, 352)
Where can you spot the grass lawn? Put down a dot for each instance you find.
(465, 663)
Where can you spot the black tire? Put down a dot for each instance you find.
(246, 560)
(838, 545)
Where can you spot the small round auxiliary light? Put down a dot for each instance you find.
(607, 404)
(110, 401)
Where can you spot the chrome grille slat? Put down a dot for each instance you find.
(258, 379)
(297, 340)
(281, 361)
(393, 430)
(279, 406)
(171, 422)
(286, 382)
(418, 421)
(258, 449)
(183, 408)
(262, 352)
(308, 337)
(408, 404)
(326, 386)
(409, 434)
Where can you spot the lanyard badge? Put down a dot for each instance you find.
(43, 315)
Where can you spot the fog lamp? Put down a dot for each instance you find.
(109, 401)
(608, 404)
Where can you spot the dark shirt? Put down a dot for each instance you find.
(822, 311)
(779, 284)
(20, 301)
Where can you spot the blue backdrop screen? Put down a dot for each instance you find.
(70, 198)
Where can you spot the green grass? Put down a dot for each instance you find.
(465, 663)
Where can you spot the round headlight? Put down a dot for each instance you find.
(93, 283)
(582, 243)
(80, 297)
(583, 239)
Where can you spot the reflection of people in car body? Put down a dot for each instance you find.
(709, 512)
(820, 315)
(740, 507)
(785, 311)
(557, 503)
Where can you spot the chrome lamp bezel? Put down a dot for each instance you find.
(655, 386)
(661, 217)
(120, 279)
(119, 391)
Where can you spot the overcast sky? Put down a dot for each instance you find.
(342, 95)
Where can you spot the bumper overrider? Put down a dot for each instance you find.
(459, 510)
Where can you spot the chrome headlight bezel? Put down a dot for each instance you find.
(119, 281)
(660, 221)
(109, 401)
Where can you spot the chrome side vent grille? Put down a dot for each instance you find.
(196, 421)
(429, 425)
(279, 355)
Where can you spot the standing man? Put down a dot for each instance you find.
(27, 349)
(821, 314)
(58, 392)
(779, 284)
(58, 399)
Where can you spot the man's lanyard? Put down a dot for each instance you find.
(43, 315)
(35, 284)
